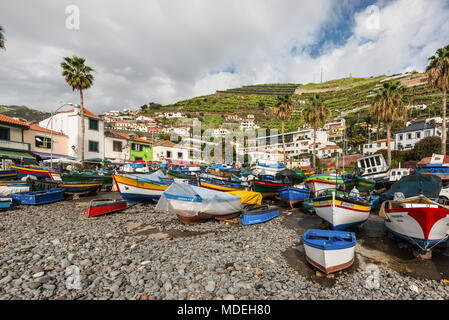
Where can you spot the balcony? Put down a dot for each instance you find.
(14, 145)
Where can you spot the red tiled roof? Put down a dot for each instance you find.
(12, 121)
(87, 113)
(37, 128)
(164, 143)
(331, 147)
(140, 139)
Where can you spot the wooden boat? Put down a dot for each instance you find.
(8, 174)
(194, 204)
(341, 212)
(419, 220)
(328, 250)
(88, 176)
(269, 188)
(37, 171)
(135, 189)
(38, 197)
(80, 188)
(220, 171)
(180, 175)
(293, 195)
(220, 185)
(12, 188)
(318, 182)
(102, 206)
(5, 203)
(258, 214)
(373, 167)
(263, 169)
(360, 183)
(11, 182)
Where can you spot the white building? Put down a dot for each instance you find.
(406, 138)
(69, 123)
(221, 132)
(167, 150)
(375, 146)
(144, 119)
(248, 124)
(170, 115)
(116, 146)
(329, 151)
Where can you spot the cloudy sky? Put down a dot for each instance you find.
(168, 50)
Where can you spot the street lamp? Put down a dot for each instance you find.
(51, 136)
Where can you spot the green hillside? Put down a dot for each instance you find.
(23, 113)
(347, 97)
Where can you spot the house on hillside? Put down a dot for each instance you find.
(69, 123)
(168, 150)
(47, 143)
(406, 138)
(375, 146)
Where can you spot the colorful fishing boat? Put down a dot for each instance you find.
(269, 188)
(329, 250)
(11, 182)
(293, 195)
(318, 182)
(220, 185)
(38, 197)
(179, 175)
(258, 214)
(419, 220)
(341, 212)
(194, 204)
(8, 174)
(266, 169)
(106, 179)
(13, 188)
(37, 171)
(135, 189)
(102, 206)
(360, 183)
(80, 188)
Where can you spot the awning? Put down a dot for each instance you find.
(15, 155)
(46, 155)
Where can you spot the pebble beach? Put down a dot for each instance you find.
(54, 252)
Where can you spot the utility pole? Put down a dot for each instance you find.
(321, 74)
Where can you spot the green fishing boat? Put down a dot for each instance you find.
(72, 176)
(179, 175)
(362, 184)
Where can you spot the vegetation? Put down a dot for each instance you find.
(283, 111)
(389, 107)
(79, 77)
(315, 114)
(438, 73)
(2, 38)
(427, 147)
(23, 112)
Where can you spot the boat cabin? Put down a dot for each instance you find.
(373, 166)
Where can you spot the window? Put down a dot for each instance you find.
(427, 133)
(93, 124)
(117, 146)
(400, 137)
(4, 133)
(179, 155)
(409, 136)
(168, 154)
(137, 147)
(93, 146)
(378, 144)
(418, 135)
(42, 142)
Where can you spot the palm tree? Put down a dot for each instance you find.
(437, 75)
(2, 38)
(79, 77)
(315, 114)
(388, 107)
(283, 111)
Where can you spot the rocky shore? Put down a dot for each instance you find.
(54, 252)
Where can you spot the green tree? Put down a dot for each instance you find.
(79, 77)
(2, 38)
(437, 75)
(315, 114)
(426, 147)
(389, 107)
(283, 111)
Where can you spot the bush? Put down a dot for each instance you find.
(426, 147)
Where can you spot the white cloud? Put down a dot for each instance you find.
(165, 51)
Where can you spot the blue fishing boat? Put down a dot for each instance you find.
(38, 197)
(258, 214)
(8, 174)
(5, 203)
(293, 195)
(329, 250)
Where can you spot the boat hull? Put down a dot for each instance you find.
(341, 213)
(268, 188)
(329, 261)
(259, 215)
(138, 191)
(12, 182)
(292, 195)
(317, 185)
(219, 186)
(100, 207)
(361, 184)
(38, 172)
(423, 227)
(8, 174)
(106, 180)
(5, 203)
(38, 197)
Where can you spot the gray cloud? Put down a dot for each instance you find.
(169, 50)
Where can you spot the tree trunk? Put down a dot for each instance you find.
(443, 135)
(83, 129)
(314, 143)
(388, 144)
(283, 144)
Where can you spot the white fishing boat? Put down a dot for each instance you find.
(267, 169)
(419, 220)
(195, 204)
(329, 250)
(341, 212)
(373, 167)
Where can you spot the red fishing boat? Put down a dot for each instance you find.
(103, 206)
